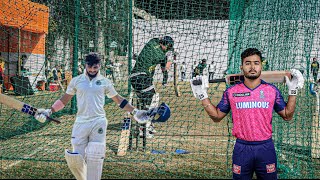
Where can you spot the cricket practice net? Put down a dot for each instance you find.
(43, 44)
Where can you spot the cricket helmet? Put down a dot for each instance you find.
(161, 113)
(168, 41)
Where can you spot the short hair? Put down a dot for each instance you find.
(249, 52)
(92, 58)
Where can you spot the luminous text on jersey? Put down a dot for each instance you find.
(252, 104)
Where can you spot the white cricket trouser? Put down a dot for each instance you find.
(85, 132)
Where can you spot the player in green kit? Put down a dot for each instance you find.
(141, 78)
(199, 69)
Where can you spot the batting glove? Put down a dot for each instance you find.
(141, 116)
(296, 82)
(42, 115)
(199, 86)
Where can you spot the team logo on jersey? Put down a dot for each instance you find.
(261, 95)
(241, 94)
(100, 130)
(271, 168)
(152, 68)
(98, 83)
(236, 169)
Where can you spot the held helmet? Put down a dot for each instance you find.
(161, 113)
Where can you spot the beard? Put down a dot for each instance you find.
(252, 77)
(92, 76)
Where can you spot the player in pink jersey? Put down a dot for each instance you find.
(252, 103)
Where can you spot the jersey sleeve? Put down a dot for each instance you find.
(71, 89)
(110, 91)
(224, 104)
(279, 103)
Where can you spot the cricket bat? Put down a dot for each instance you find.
(125, 132)
(126, 126)
(175, 80)
(59, 81)
(124, 137)
(21, 106)
(268, 76)
(315, 151)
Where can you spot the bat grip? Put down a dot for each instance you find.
(53, 119)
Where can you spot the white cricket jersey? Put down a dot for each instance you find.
(183, 68)
(212, 68)
(90, 96)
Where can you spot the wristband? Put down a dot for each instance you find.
(123, 103)
(57, 106)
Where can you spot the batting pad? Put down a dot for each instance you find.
(76, 164)
(155, 101)
(95, 154)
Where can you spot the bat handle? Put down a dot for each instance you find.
(53, 119)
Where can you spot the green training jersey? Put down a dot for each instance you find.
(150, 56)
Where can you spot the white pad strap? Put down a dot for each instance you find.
(95, 154)
(76, 164)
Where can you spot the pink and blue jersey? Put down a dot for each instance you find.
(252, 110)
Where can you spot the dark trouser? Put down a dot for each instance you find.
(315, 75)
(257, 156)
(210, 75)
(183, 75)
(141, 84)
(143, 87)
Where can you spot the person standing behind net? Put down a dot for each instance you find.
(315, 69)
(88, 137)
(211, 70)
(141, 77)
(252, 103)
(183, 69)
(2, 66)
(200, 68)
(193, 67)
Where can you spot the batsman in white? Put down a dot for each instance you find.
(252, 103)
(89, 130)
